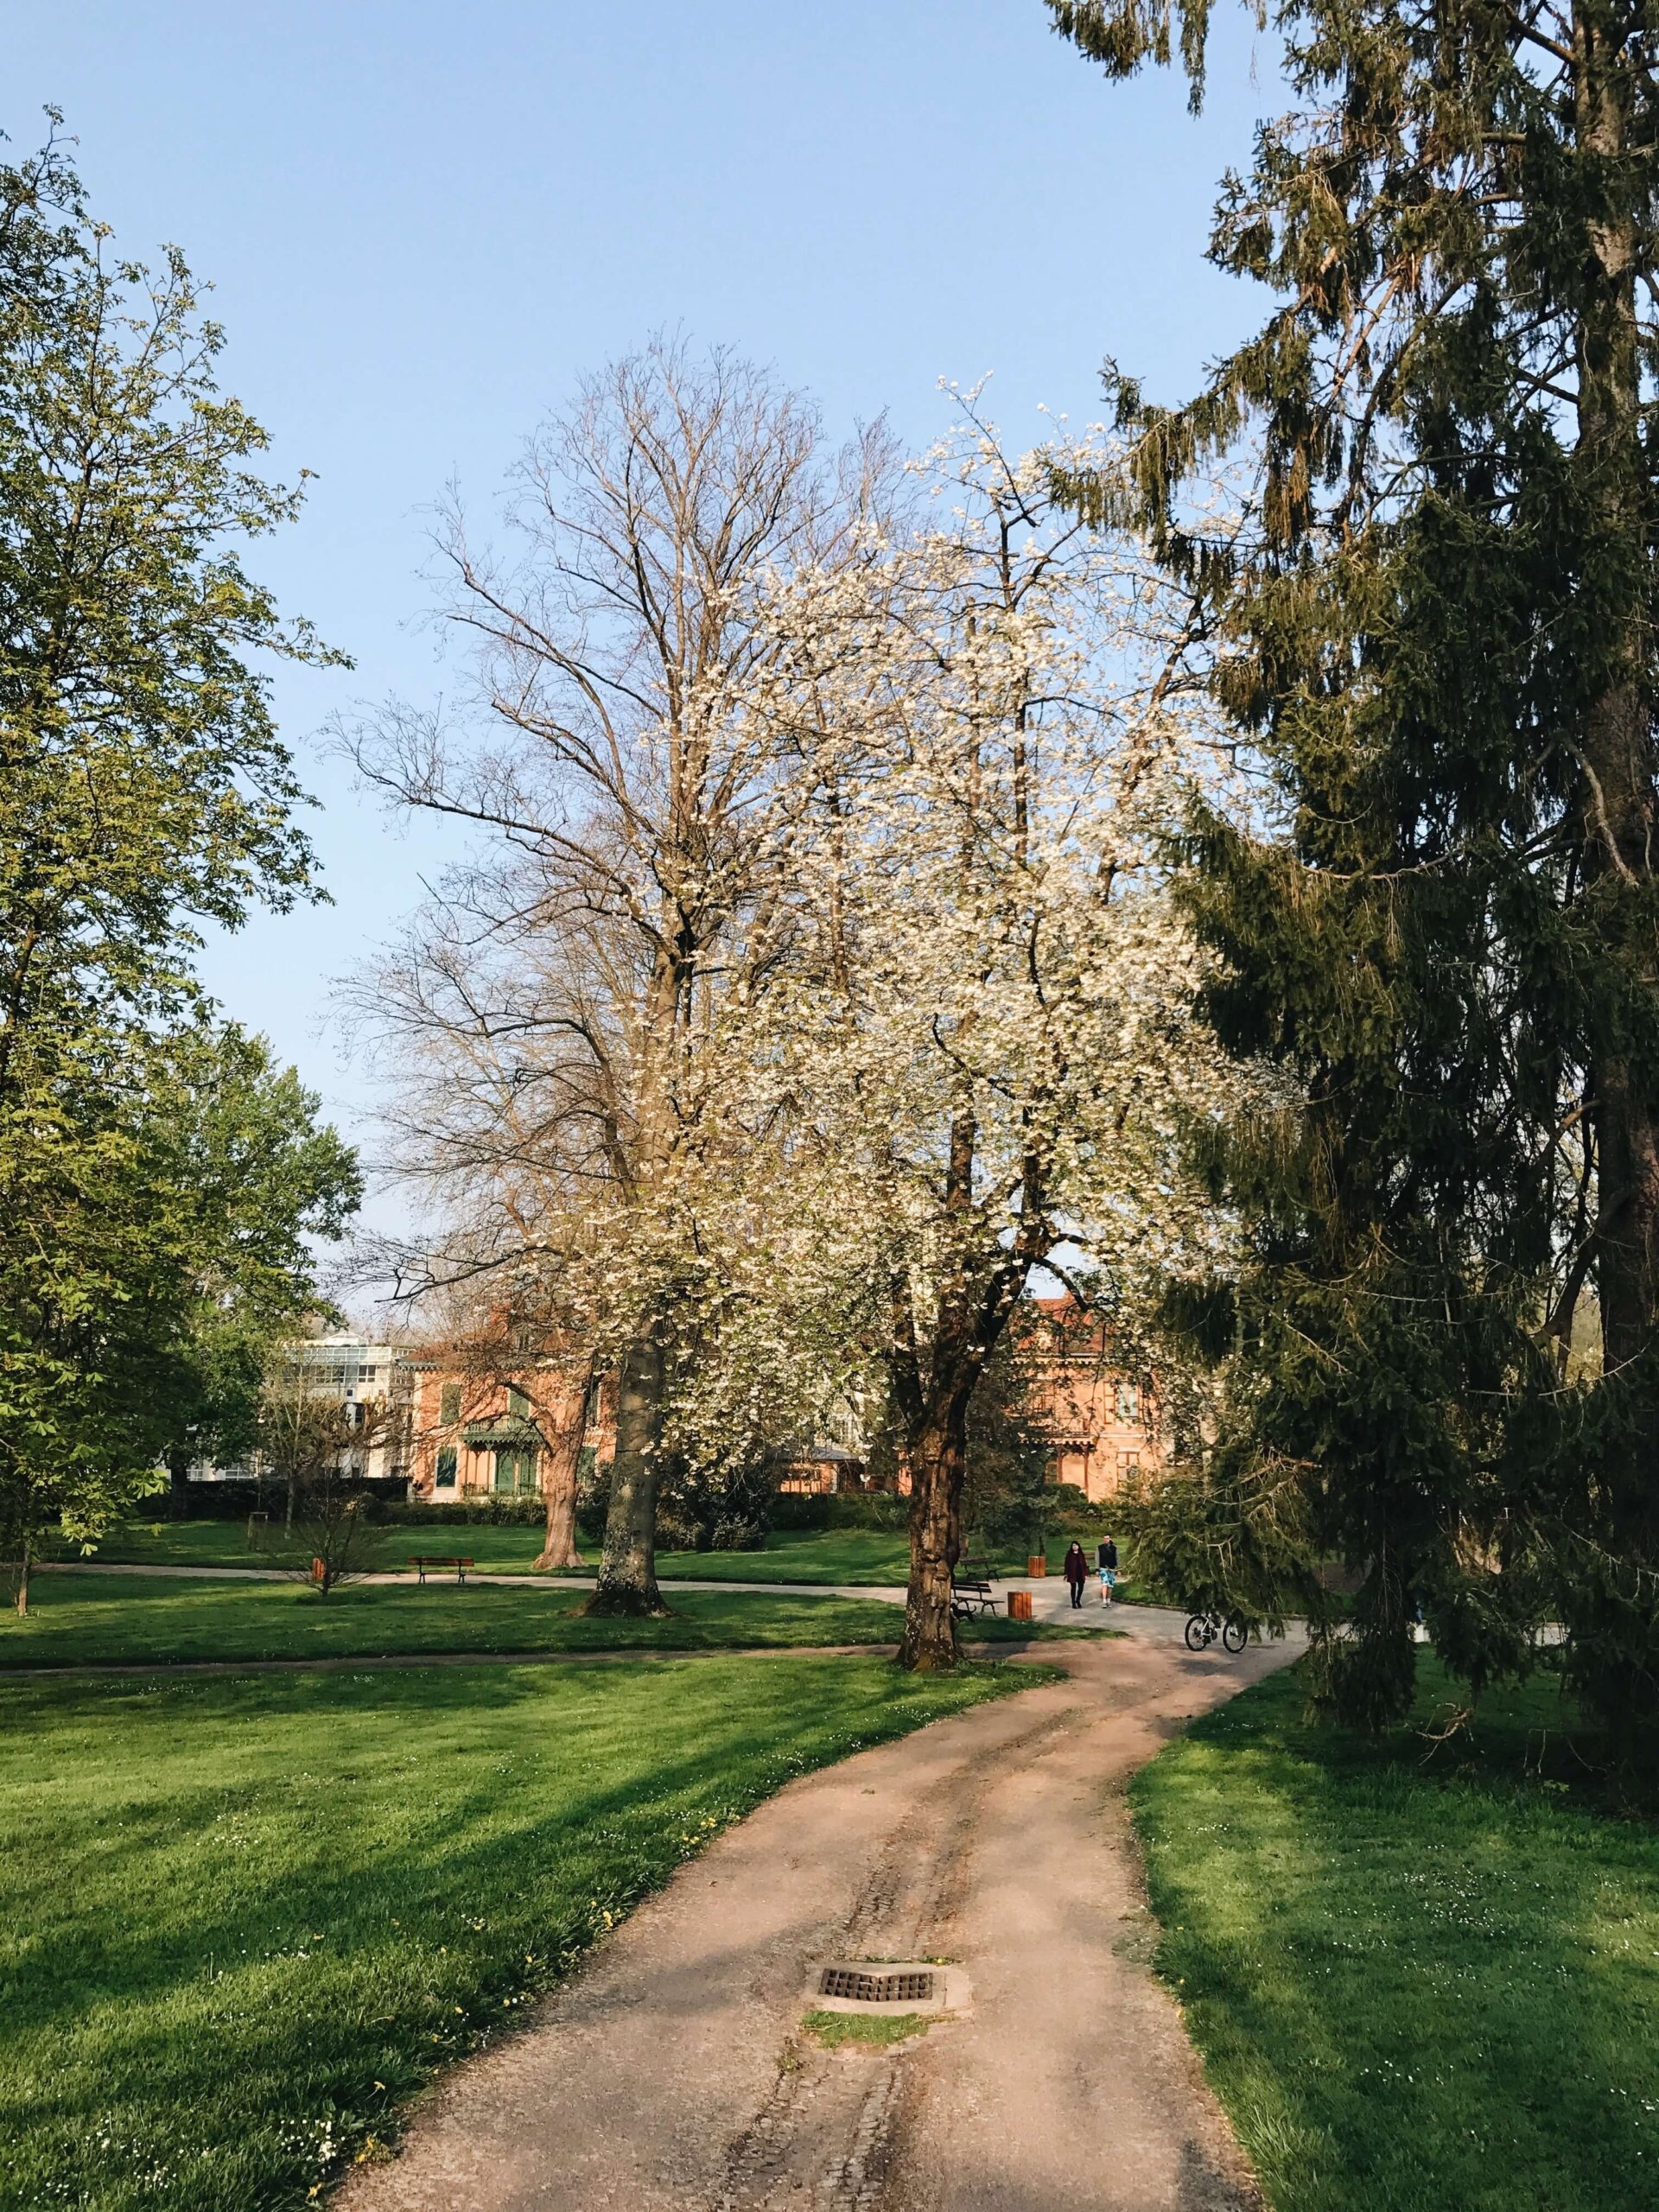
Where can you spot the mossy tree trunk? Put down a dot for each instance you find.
(559, 1483)
(937, 1456)
(627, 1573)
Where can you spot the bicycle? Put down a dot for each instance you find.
(1202, 1628)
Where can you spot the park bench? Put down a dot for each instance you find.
(422, 1560)
(971, 1593)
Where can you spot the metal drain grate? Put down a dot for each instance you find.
(876, 1988)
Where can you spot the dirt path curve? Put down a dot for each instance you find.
(671, 2075)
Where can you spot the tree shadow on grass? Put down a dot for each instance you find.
(251, 1899)
(1413, 1983)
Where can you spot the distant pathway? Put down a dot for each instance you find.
(672, 2074)
(1049, 1596)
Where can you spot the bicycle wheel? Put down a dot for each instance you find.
(1200, 1632)
(1234, 1637)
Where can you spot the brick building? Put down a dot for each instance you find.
(1098, 1413)
(478, 1432)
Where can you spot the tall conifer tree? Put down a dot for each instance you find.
(1435, 614)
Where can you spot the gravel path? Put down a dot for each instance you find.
(672, 2074)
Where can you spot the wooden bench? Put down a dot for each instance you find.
(971, 1593)
(422, 1560)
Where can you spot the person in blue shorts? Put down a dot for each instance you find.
(1106, 1562)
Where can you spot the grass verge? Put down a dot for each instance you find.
(137, 1620)
(870, 2031)
(1415, 1982)
(245, 1920)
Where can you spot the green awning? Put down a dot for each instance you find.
(503, 1435)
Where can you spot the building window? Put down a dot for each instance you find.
(518, 1405)
(449, 1404)
(447, 1460)
(1128, 1402)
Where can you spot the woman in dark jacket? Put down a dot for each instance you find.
(1076, 1571)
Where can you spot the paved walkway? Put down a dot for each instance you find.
(1050, 1597)
(671, 2075)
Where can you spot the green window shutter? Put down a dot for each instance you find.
(518, 1405)
(515, 1471)
(447, 1463)
(449, 1404)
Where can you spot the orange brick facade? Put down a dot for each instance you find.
(477, 1435)
(1098, 1415)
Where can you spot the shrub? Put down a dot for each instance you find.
(852, 1508)
(487, 1512)
(236, 1499)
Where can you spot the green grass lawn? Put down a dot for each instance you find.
(245, 1919)
(831, 1556)
(1415, 1983)
(77, 1619)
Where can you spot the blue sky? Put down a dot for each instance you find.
(424, 222)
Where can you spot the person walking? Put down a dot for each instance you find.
(1076, 1571)
(1106, 1560)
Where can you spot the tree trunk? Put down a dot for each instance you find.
(23, 1579)
(559, 1487)
(936, 1449)
(178, 1475)
(1617, 818)
(1613, 1615)
(627, 1572)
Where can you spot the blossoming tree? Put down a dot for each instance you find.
(570, 1012)
(993, 1039)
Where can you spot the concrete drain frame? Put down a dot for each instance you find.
(886, 1986)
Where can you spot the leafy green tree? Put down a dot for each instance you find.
(144, 791)
(267, 1181)
(144, 784)
(163, 1242)
(89, 1279)
(1430, 601)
